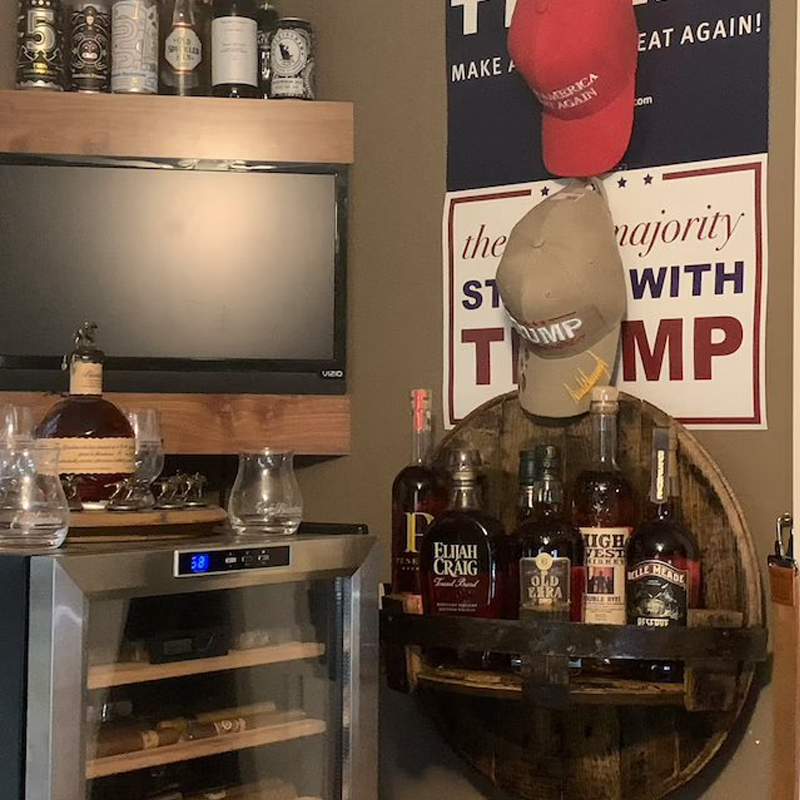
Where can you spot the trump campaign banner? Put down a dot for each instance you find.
(688, 203)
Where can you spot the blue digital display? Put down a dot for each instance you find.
(200, 562)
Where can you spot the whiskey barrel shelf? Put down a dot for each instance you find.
(583, 690)
(607, 739)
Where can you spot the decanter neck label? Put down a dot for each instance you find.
(86, 377)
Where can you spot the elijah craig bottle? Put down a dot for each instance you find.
(95, 440)
(462, 553)
(663, 580)
(552, 573)
(419, 493)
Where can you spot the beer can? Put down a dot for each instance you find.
(40, 51)
(292, 60)
(134, 47)
(90, 48)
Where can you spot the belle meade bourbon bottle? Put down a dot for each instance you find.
(419, 493)
(603, 507)
(95, 440)
(663, 565)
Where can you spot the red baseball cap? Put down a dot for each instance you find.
(579, 58)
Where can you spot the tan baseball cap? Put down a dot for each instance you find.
(561, 281)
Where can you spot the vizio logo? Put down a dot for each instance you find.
(332, 373)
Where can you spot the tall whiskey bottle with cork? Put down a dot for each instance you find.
(419, 494)
(95, 440)
(604, 509)
(663, 558)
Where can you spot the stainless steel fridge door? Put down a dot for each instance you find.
(207, 669)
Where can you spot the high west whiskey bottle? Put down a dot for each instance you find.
(603, 507)
(419, 493)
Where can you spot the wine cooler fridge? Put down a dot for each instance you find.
(201, 670)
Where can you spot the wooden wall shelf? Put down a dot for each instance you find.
(130, 126)
(125, 674)
(226, 424)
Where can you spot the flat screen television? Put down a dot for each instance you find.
(202, 276)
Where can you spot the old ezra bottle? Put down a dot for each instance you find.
(184, 59)
(95, 440)
(234, 46)
(134, 47)
(603, 507)
(461, 557)
(90, 47)
(419, 493)
(40, 52)
(552, 574)
(663, 562)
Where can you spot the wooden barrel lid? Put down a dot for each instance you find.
(606, 752)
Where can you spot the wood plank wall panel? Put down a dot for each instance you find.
(224, 424)
(284, 131)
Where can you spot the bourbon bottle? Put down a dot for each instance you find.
(663, 580)
(461, 557)
(552, 573)
(95, 440)
(419, 493)
(604, 508)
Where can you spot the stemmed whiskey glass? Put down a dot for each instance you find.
(149, 461)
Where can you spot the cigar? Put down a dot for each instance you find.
(118, 741)
(223, 727)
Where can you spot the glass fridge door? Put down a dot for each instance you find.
(221, 688)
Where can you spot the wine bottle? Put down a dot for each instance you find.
(184, 58)
(95, 440)
(234, 49)
(419, 494)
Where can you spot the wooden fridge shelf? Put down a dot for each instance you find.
(124, 674)
(188, 751)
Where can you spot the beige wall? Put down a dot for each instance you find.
(389, 58)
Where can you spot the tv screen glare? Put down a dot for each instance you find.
(223, 278)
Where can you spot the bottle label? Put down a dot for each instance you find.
(234, 57)
(605, 574)
(86, 378)
(545, 585)
(134, 38)
(460, 582)
(39, 49)
(292, 64)
(183, 50)
(657, 594)
(101, 456)
(91, 37)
